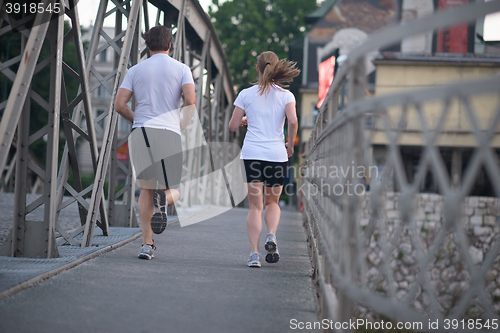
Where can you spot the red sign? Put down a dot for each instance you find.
(296, 141)
(326, 69)
(122, 152)
(453, 39)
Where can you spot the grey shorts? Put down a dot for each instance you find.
(156, 156)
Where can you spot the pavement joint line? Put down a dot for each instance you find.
(34, 281)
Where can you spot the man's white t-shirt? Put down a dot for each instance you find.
(157, 86)
(264, 139)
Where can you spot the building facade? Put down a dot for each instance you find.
(453, 54)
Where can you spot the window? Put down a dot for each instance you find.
(101, 92)
(314, 113)
(100, 122)
(124, 125)
(369, 123)
(492, 26)
(102, 56)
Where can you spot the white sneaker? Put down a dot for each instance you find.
(159, 219)
(254, 260)
(273, 255)
(146, 251)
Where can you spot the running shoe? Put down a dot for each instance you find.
(273, 255)
(254, 260)
(159, 219)
(146, 251)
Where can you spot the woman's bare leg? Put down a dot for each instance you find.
(272, 213)
(254, 218)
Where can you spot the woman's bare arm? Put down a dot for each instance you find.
(236, 119)
(293, 125)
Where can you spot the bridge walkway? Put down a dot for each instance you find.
(197, 282)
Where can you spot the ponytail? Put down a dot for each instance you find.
(274, 71)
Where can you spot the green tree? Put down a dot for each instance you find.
(247, 28)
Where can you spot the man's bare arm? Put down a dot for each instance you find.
(121, 100)
(189, 108)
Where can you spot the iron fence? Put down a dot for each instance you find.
(403, 257)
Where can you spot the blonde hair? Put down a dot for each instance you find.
(274, 71)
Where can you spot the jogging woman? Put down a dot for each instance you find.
(265, 153)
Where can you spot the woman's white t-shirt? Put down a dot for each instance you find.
(157, 86)
(264, 139)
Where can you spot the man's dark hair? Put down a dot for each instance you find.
(158, 38)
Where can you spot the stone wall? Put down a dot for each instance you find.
(393, 247)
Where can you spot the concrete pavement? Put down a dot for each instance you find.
(197, 282)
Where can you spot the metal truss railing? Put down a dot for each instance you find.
(350, 283)
(195, 43)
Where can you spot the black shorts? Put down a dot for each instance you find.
(156, 156)
(269, 173)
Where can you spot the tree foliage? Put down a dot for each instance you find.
(247, 28)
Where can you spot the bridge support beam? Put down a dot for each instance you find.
(195, 43)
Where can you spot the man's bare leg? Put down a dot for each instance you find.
(146, 210)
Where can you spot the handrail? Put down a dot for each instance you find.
(383, 254)
(358, 108)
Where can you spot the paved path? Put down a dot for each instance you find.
(197, 282)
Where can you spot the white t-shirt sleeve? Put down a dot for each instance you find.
(128, 81)
(240, 100)
(187, 76)
(289, 98)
